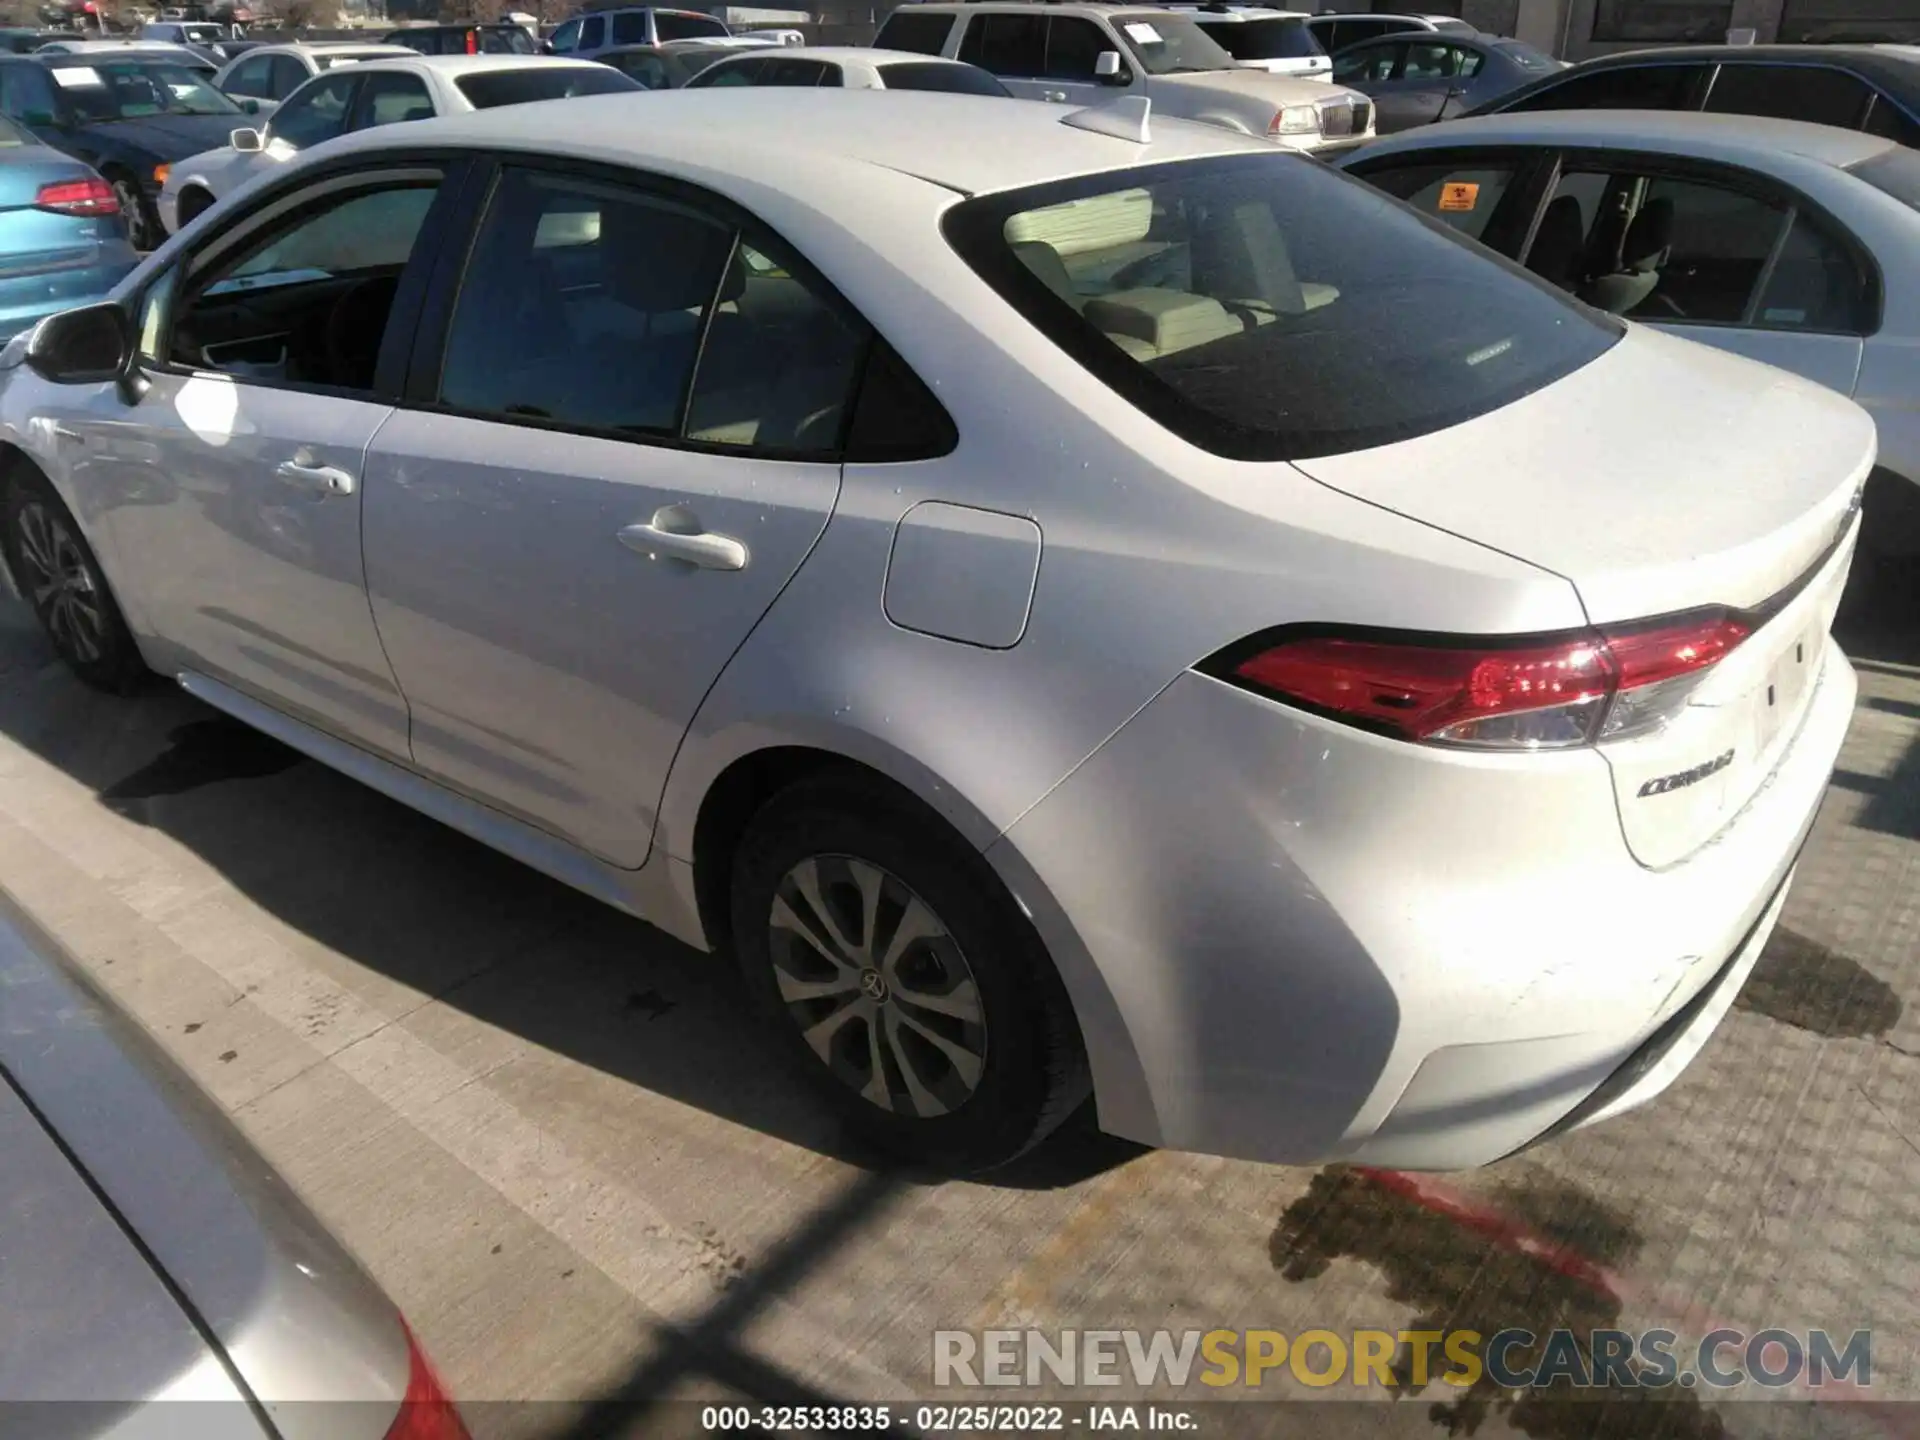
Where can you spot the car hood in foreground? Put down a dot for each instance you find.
(1662, 476)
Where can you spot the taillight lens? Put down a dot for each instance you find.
(473, 42)
(1552, 693)
(426, 1412)
(78, 197)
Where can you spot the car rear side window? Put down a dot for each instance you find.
(252, 78)
(907, 30)
(546, 82)
(630, 28)
(1813, 93)
(600, 308)
(1462, 197)
(593, 32)
(687, 27)
(732, 72)
(947, 79)
(1257, 305)
(1627, 87)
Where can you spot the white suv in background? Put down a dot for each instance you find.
(1277, 41)
(1087, 54)
(585, 36)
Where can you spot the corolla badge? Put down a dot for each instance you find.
(1662, 784)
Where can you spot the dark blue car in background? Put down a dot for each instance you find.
(63, 239)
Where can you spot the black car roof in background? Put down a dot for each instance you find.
(1890, 65)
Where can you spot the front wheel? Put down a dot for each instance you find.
(62, 581)
(143, 226)
(900, 979)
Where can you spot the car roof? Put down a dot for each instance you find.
(872, 55)
(1238, 12)
(152, 50)
(972, 144)
(473, 64)
(1888, 61)
(1721, 137)
(327, 47)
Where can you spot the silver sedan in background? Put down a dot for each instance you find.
(151, 1258)
(1417, 79)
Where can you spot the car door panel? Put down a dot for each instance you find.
(551, 666)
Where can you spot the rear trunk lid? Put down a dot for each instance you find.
(1664, 477)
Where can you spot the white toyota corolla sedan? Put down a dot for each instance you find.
(1066, 601)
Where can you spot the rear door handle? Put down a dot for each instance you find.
(709, 552)
(301, 471)
(1057, 96)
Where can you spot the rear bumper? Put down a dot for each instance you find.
(1295, 942)
(25, 300)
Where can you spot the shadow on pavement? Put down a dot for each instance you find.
(408, 898)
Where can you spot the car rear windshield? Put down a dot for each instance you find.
(1287, 39)
(1170, 44)
(671, 26)
(545, 82)
(948, 79)
(1525, 56)
(1266, 307)
(1896, 171)
(101, 89)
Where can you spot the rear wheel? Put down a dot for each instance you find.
(900, 979)
(60, 578)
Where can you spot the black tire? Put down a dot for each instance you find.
(1032, 1071)
(62, 582)
(143, 226)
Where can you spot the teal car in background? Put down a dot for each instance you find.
(63, 238)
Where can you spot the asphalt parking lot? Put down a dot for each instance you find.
(551, 1134)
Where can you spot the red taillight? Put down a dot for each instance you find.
(426, 1412)
(1563, 690)
(78, 197)
(473, 42)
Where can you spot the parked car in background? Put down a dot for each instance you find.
(1263, 39)
(1336, 32)
(1781, 241)
(851, 68)
(25, 42)
(156, 1268)
(180, 54)
(269, 74)
(502, 38)
(130, 114)
(63, 241)
(1856, 87)
(1084, 54)
(1418, 78)
(367, 94)
(587, 35)
(204, 36)
(1354, 536)
(672, 65)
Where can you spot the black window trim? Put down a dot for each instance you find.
(1756, 185)
(311, 187)
(432, 326)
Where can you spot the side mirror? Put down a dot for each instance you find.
(1106, 68)
(39, 119)
(250, 107)
(82, 347)
(546, 47)
(247, 141)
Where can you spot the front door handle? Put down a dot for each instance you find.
(674, 533)
(317, 479)
(1057, 96)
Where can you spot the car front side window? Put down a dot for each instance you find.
(316, 113)
(566, 39)
(593, 31)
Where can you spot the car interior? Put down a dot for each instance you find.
(307, 303)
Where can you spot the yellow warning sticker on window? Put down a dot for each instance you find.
(1459, 195)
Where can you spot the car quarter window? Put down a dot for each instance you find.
(1814, 93)
(1467, 63)
(1367, 62)
(252, 78)
(1696, 248)
(907, 29)
(388, 98)
(302, 299)
(607, 309)
(1462, 195)
(1626, 87)
(1006, 44)
(319, 112)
